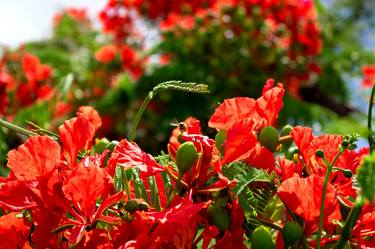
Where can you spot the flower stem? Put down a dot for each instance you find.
(168, 85)
(369, 119)
(139, 115)
(125, 182)
(324, 192)
(174, 191)
(17, 128)
(350, 222)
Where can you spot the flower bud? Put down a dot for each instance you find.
(111, 146)
(269, 138)
(347, 173)
(218, 216)
(286, 130)
(292, 232)
(319, 153)
(186, 156)
(261, 239)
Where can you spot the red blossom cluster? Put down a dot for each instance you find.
(24, 80)
(77, 14)
(368, 72)
(66, 191)
(287, 27)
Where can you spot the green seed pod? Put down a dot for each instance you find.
(218, 216)
(269, 138)
(292, 232)
(100, 145)
(286, 130)
(186, 156)
(261, 239)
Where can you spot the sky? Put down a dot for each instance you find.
(27, 20)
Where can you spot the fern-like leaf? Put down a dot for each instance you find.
(176, 85)
(254, 190)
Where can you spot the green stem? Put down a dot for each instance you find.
(369, 119)
(125, 182)
(350, 222)
(174, 191)
(168, 85)
(17, 128)
(269, 223)
(139, 115)
(324, 192)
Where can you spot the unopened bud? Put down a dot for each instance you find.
(186, 156)
(269, 138)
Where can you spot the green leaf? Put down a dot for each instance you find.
(181, 86)
(254, 188)
(366, 177)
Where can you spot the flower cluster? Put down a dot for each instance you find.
(67, 190)
(24, 80)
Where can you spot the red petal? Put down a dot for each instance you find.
(35, 158)
(129, 155)
(15, 195)
(239, 141)
(261, 157)
(231, 111)
(92, 115)
(303, 197)
(269, 105)
(86, 185)
(75, 134)
(109, 202)
(14, 231)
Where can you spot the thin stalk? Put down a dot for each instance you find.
(369, 119)
(324, 192)
(269, 223)
(350, 222)
(174, 191)
(17, 128)
(125, 182)
(139, 115)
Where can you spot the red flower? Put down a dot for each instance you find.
(129, 155)
(75, 135)
(37, 157)
(106, 54)
(171, 228)
(14, 231)
(241, 144)
(92, 115)
(77, 14)
(207, 165)
(193, 126)
(303, 197)
(262, 111)
(368, 75)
